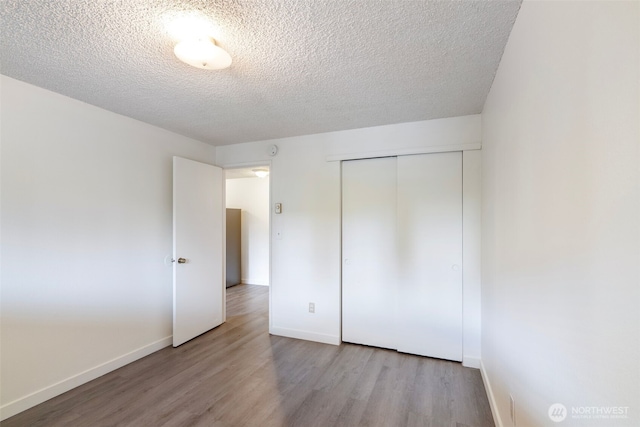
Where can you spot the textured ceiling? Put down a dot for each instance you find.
(243, 172)
(299, 66)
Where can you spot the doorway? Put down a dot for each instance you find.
(247, 192)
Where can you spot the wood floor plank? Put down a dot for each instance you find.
(239, 375)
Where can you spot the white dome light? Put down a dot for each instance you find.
(202, 53)
(261, 173)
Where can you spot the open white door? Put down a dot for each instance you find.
(198, 249)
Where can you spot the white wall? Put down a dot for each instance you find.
(86, 223)
(306, 259)
(252, 196)
(561, 215)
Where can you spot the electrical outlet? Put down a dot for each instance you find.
(512, 410)
(312, 307)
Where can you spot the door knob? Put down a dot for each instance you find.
(455, 267)
(180, 260)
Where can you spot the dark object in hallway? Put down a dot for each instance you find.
(234, 245)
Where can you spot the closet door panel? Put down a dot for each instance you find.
(368, 251)
(429, 256)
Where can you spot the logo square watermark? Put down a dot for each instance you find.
(558, 412)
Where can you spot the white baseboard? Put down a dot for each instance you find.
(305, 335)
(22, 404)
(471, 362)
(492, 400)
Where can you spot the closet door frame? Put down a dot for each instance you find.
(407, 339)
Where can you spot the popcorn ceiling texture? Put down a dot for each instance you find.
(299, 67)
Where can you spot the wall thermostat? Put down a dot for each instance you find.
(273, 150)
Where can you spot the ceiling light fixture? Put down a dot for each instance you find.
(202, 53)
(261, 173)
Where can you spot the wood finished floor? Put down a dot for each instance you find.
(239, 375)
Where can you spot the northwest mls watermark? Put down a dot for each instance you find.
(558, 412)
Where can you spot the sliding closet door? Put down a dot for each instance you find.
(369, 251)
(430, 255)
